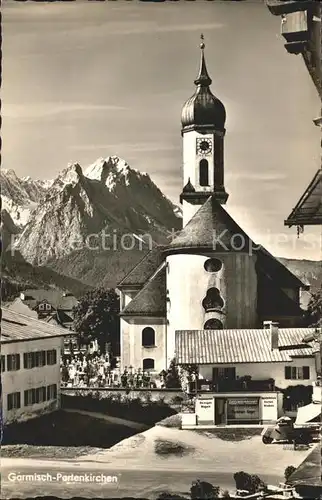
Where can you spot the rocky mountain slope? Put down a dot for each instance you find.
(18, 275)
(309, 271)
(109, 205)
(19, 196)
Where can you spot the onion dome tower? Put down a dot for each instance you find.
(203, 129)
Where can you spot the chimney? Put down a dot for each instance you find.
(272, 326)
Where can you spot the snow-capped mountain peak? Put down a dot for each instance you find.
(69, 175)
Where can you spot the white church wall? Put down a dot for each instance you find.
(187, 285)
(125, 343)
(134, 352)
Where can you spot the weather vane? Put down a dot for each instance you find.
(202, 45)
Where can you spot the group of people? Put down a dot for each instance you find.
(95, 371)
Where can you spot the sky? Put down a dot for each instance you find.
(84, 80)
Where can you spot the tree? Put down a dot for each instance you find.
(96, 317)
(172, 377)
(288, 472)
(249, 482)
(314, 310)
(201, 490)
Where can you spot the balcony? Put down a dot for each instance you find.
(243, 384)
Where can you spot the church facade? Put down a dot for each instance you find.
(211, 276)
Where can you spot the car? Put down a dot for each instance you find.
(285, 431)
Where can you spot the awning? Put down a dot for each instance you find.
(308, 413)
(308, 210)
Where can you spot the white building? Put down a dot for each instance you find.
(30, 366)
(211, 275)
(246, 371)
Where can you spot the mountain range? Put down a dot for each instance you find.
(88, 227)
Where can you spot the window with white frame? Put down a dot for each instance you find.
(148, 364)
(51, 357)
(148, 337)
(13, 401)
(13, 362)
(51, 392)
(297, 372)
(29, 397)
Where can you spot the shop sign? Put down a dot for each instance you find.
(205, 409)
(243, 409)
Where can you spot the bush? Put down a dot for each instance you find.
(172, 378)
(248, 482)
(201, 490)
(164, 448)
(166, 495)
(289, 471)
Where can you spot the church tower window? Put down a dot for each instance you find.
(213, 324)
(213, 300)
(203, 173)
(148, 364)
(212, 265)
(148, 337)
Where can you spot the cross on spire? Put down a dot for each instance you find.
(203, 78)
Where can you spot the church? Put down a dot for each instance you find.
(211, 276)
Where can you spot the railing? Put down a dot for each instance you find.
(244, 385)
(238, 385)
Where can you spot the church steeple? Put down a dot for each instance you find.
(203, 79)
(203, 128)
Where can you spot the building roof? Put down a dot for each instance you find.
(309, 472)
(144, 269)
(60, 318)
(238, 346)
(308, 210)
(18, 327)
(276, 269)
(56, 298)
(279, 7)
(211, 228)
(151, 300)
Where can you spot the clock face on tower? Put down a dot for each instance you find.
(204, 146)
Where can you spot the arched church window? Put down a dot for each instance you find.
(213, 300)
(212, 265)
(148, 364)
(148, 337)
(213, 324)
(203, 173)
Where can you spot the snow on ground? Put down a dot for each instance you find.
(210, 453)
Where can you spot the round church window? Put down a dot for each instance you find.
(212, 265)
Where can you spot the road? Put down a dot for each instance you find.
(57, 480)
